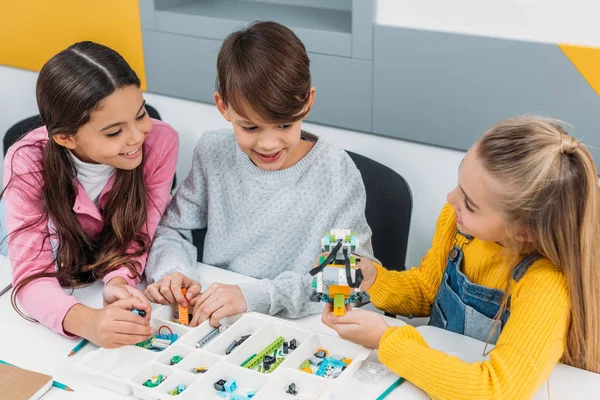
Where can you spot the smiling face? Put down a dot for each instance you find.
(476, 214)
(115, 133)
(270, 146)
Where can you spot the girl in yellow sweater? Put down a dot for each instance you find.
(514, 262)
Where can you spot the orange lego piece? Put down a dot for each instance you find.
(346, 360)
(183, 313)
(338, 289)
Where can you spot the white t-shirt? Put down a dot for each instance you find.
(93, 177)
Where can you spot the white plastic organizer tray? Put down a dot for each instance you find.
(125, 370)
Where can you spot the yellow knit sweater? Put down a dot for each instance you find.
(530, 345)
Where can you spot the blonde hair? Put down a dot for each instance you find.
(548, 190)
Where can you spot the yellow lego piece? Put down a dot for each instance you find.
(307, 370)
(346, 360)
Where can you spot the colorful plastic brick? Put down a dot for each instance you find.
(154, 381)
(183, 312)
(266, 351)
(293, 344)
(220, 384)
(199, 370)
(230, 386)
(337, 280)
(177, 391)
(292, 389)
(141, 313)
(175, 360)
(328, 366)
(208, 337)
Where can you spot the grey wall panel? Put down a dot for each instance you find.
(147, 14)
(447, 89)
(344, 92)
(164, 4)
(322, 30)
(363, 18)
(331, 4)
(180, 66)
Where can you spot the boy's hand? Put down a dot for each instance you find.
(359, 326)
(218, 301)
(369, 273)
(168, 290)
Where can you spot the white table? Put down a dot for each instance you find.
(33, 346)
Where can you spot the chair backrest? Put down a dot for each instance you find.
(20, 129)
(388, 212)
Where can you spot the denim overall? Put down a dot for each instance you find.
(467, 308)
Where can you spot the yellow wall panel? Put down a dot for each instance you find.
(587, 62)
(32, 31)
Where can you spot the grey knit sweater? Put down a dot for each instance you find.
(264, 224)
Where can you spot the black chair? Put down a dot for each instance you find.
(388, 212)
(20, 129)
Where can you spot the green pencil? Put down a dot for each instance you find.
(54, 383)
(78, 347)
(392, 387)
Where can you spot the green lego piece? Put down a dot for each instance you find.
(338, 300)
(321, 259)
(347, 238)
(332, 238)
(314, 283)
(352, 260)
(305, 364)
(268, 350)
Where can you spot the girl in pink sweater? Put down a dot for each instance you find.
(84, 195)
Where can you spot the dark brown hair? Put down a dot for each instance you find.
(70, 86)
(265, 66)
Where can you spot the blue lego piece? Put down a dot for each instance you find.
(235, 396)
(329, 362)
(230, 386)
(222, 394)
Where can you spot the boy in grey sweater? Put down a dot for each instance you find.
(266, 192)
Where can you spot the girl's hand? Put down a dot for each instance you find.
(359, 326)
(218, 301)
(118, 289)
(369, 273)
(110, 327)
(168, 290)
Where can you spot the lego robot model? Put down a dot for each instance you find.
(337, 280)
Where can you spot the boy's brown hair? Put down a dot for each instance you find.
(265, 67)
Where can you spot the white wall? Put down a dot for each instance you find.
(430, 171)
(548, 21)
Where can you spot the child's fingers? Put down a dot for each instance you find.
(193, 290)
(215, 317)
(204, 296)
(208, 308)
(153, 293)
(133, 329)
(351, 318)
(178, 294)
(166, 291)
